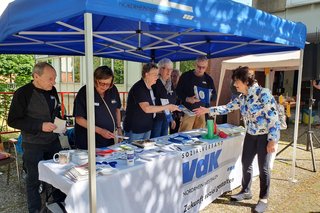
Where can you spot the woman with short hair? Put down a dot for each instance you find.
(141, 108)
(107, 110)
(258, 109)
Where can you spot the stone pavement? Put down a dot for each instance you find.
(285, 196)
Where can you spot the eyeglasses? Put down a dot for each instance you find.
(102, 84)
(201, 67)
(112, 163)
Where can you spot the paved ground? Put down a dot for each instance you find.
(285, 196)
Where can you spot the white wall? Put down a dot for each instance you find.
(307, 14)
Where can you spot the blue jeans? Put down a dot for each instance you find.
(159, 128)
(137, 136)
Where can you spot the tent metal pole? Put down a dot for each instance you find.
(222, 73)
(296, 121)
(90, 111)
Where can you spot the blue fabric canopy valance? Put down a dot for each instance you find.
(145, 30)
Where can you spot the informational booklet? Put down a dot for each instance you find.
(61, 125)
(203, 94)
(144, 143)
(187, 111)
(166, 112)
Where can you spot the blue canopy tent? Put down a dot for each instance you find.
(143, 31)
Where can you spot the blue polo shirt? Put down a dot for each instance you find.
(102, 116)
(136, 120)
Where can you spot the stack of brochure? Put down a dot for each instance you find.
(144, 143)
(77, 173)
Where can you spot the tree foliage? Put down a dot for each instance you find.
(186, 66)
(118, 69)
(15, 69)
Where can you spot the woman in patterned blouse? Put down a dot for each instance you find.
(258, 109)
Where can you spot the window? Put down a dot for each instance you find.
(116, 65)
(70, 69)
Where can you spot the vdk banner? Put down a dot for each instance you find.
(210, 170)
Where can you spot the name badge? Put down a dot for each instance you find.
(97, 104)
(113, 101)
(52, 97)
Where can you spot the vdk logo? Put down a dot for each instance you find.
(201, 167)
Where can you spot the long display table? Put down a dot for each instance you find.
(186, 179)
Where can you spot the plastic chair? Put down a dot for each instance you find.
(7, 161)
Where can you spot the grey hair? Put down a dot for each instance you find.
(177, 71)
(163, 62)
(202, 58)
(39, 67)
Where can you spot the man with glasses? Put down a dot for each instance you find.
(185, 92)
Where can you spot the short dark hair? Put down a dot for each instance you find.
(103, 72)
(147, 67)
(244, 74)
(201, 58)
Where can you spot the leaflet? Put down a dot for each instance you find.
(61, 125)
(186, 110)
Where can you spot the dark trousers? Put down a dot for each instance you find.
(32, 155)
(256, 144)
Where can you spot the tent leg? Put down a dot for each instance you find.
(310, 142)
(309, 132)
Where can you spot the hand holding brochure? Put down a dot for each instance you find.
(61, 125)
(203, 94)
(186, 110)
(166, 112)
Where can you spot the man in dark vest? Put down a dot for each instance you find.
(33, 109)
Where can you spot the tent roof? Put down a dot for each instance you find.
(144, 30)
(278, 60)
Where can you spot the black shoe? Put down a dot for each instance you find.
(261, 207)
(241, 196)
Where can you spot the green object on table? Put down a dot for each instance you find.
(125, 147)
(210, 138)
(210, 128)
(210, 134)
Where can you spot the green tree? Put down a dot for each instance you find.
(118, 69)
(186, 66)
(15, 69)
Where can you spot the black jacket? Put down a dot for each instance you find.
(30, 107)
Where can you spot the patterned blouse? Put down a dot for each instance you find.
(258, 110)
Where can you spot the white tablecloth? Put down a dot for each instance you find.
(185, 181)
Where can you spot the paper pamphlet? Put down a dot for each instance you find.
(203, 94)
(61, 125)
(186, 110)
(166, 112)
